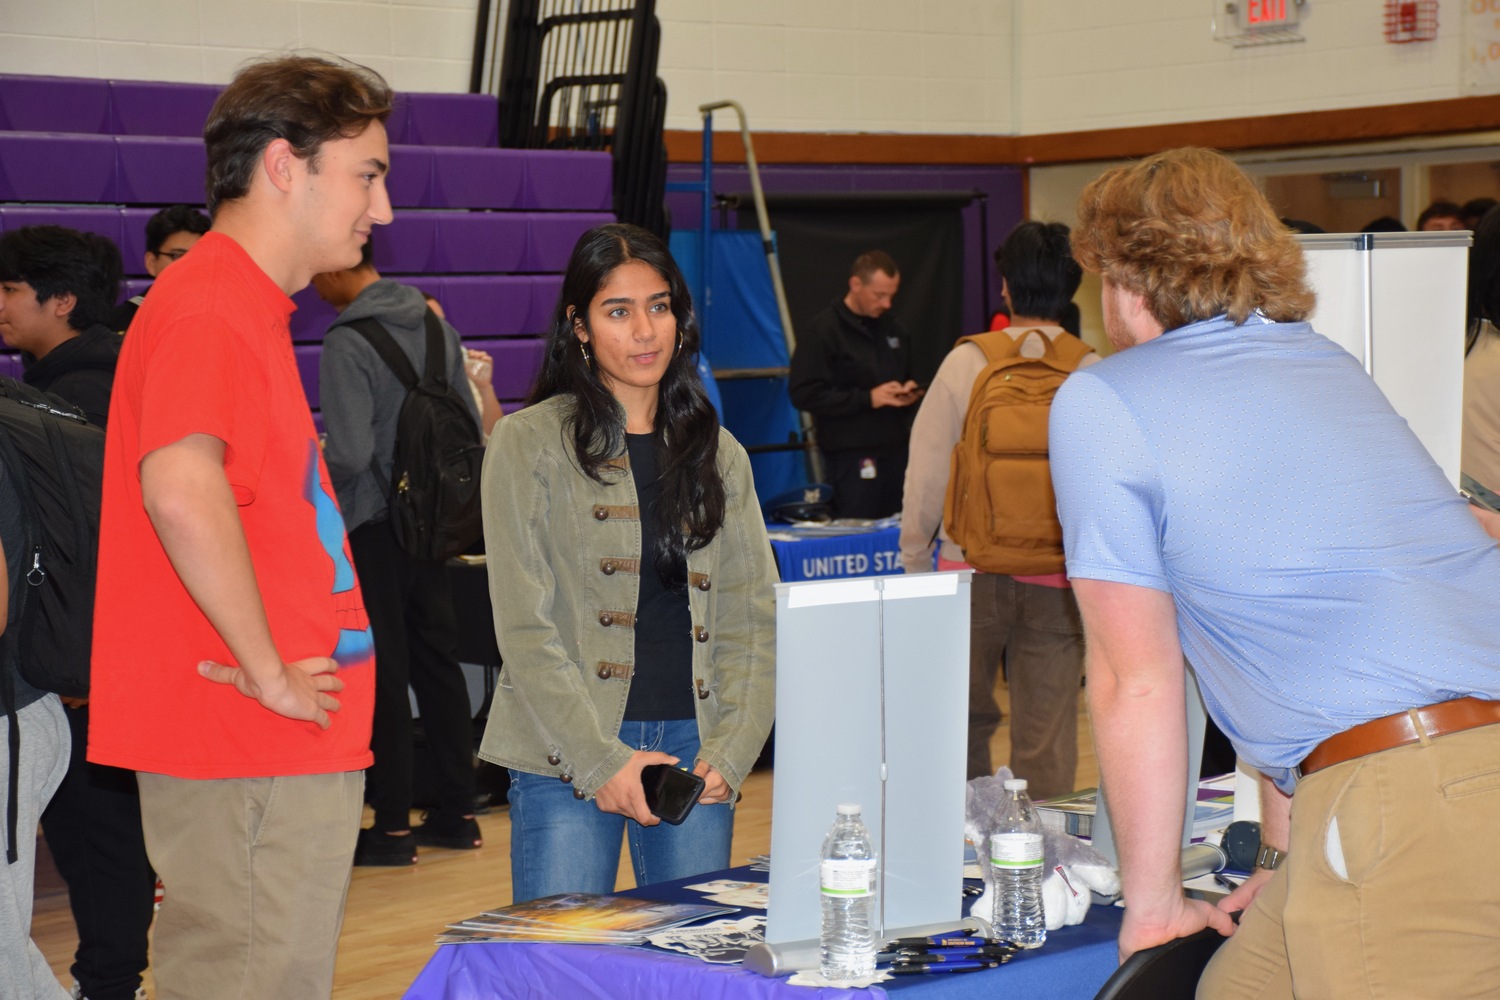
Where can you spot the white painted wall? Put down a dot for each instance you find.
(935, 66)
(415, 44)
(927, 66)
(920, 66)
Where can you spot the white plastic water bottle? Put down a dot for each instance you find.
(1016, 869)
(847, 877)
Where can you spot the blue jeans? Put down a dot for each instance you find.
(562, 844)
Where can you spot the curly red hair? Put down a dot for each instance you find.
(1192, 233)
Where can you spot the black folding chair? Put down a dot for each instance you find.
(1167, 972)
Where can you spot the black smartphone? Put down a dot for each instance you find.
(671, 792)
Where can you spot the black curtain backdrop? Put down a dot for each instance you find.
(819, 235)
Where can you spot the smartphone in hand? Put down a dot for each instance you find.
(671, 792)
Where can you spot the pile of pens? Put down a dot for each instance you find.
(946, 953)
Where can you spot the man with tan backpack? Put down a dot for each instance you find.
(979, 482)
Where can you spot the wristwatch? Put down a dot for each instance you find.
(1269, 858)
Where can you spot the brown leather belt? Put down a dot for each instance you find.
(1400, 729)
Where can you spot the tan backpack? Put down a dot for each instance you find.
(1000, 508)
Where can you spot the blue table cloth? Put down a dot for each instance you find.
(1074, 963)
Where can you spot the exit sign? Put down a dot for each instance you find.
(1266, 15)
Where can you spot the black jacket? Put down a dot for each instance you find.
(840, 357)
(80, 370)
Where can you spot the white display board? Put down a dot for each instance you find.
(872, 693)
(1396, 301)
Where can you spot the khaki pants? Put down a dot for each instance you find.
(256, 872)
(1390, 888)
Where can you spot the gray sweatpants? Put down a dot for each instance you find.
(24, 972)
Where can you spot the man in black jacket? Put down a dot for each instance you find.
(56, 285)
(851, 371)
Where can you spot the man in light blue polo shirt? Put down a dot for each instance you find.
(1235, 488)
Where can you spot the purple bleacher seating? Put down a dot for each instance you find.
(480, 242)
(516, 363)
(88, 218)
(545, 288)
(142, 107)
(53, 104)
(307, 368)
(410, 180)
(161, 170)
(487, 305)
(406, 244)
(312, 318)
(567, 179)
(552, 236)
(54, 166)
(133, 228)
(477, 178)
(449, 120)
(10, 365)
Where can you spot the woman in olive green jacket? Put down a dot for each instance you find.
(632, 583)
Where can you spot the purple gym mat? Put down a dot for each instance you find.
(410, 179)
(450, 119)
(516, 363)
(311, 321)
(86, 218)
(568, 179)
(54, 166)
(545, 288)
(490, 305)
(406, 244)
(477, 178)
(553, 236)
(53, 104)
(145, 107)
(161, 170)
(480, 242)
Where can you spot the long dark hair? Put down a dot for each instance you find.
(1484, 277)
(686, 431)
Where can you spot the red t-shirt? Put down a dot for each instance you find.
(210, 352)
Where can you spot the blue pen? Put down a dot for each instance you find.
(942, 941)
(999, 953)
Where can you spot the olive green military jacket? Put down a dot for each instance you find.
(564, 557)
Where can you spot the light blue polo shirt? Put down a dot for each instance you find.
(1324, 570)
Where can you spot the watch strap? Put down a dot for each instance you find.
(1269, 858)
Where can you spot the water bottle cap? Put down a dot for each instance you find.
(848, 809)
(1015, 784)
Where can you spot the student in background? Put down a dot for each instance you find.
(170, 234)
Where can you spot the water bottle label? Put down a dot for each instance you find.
(848, 878)
(1016, 850)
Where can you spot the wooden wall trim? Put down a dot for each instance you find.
(1388, 121)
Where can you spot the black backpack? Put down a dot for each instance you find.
(55, 458)
(433, 493)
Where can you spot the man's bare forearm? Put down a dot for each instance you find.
(192, 507)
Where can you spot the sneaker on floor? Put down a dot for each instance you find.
(438, 829)
(382, 850)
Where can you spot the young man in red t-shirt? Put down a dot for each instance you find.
(232, 664)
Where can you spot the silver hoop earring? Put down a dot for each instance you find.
(588, 360)
(679, 341)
